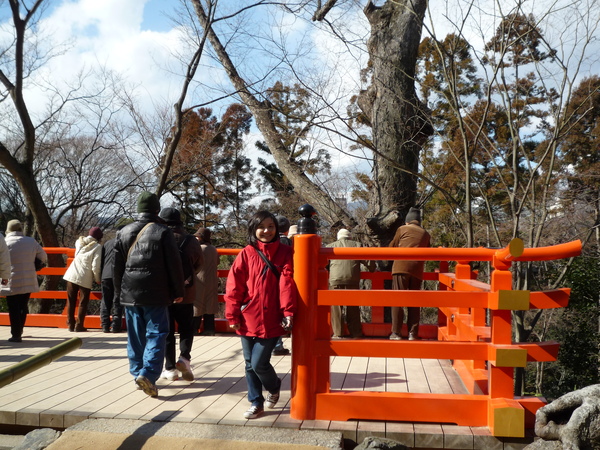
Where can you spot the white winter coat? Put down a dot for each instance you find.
(4, 259)
(86, 266)
(23, 251)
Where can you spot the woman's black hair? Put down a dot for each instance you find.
(255, 221)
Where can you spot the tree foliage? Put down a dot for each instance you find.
(210, 174)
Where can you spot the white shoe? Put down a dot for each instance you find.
(183, 365)
(253, 412)
(170, 375)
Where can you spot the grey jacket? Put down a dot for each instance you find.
(23, 251)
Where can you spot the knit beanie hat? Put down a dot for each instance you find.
(413, 214)
(147, 202)
(96, 233)
(13, 225)
(204, 234)
(343, 234)
(170, 215)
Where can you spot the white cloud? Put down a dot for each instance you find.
(109, 33)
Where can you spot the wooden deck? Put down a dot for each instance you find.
(94, 382)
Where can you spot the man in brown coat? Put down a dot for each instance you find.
(408, 275)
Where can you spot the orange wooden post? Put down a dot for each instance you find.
(442, 320)
(304, 367)
(506, 417)
(323, 324)
(377, 282)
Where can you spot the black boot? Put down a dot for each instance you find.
(209, 325)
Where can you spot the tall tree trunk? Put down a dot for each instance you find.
(261, 110)
(22, 170)
(398, 118)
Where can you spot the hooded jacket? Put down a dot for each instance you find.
(151, 275)
(23, 251)
(254, 297)
(85, 268)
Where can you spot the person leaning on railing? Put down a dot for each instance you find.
(345, 274)
(408, 275)
(80, 275)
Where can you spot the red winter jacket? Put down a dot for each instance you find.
(266, 300)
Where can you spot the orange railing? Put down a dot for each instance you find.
(483, 355)
(91, 320)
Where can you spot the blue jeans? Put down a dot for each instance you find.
(147, 330)
(259, 371)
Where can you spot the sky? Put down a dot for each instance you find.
(137, 40)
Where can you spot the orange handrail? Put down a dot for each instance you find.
(484, 354)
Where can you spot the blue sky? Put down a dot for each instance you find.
(154, 17)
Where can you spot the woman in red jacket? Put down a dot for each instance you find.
(260, 303)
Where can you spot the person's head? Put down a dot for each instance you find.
(343, 234)
(147, 202)
(96, 233)
(171, 216)
(13, 225)
(262, 227)
(414, 215)
(203, 235)
(283, 224)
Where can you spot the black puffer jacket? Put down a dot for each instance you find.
(152, 275)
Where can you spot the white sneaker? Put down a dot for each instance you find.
(170, 375)
(183, 365)
(253, 412)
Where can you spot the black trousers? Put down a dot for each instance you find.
(17, 313)
(110, 305)
(183, 315)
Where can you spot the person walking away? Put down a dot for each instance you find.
(80, 276)
(260, 302)
(206, 305)
(148, 277)
(22, 280)
(284, 226)
(345, 274)
(110, 304)
(408, 275)
(182, 313)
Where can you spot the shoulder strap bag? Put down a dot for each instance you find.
(269, 264)
(137, 238)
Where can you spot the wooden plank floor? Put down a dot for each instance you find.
(94, 382)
